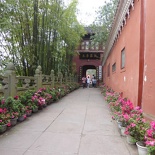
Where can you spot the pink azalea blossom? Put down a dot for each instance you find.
(126, 132)
(149, 132)
(153, 125)
(9, 124)
(133, 125)
(144, 120)
(126, 116)
(137, 108)
(151, 143)
(1, 110)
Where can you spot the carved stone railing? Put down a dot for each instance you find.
(26, 82)
(12, 85)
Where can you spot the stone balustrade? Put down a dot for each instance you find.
(12, 85)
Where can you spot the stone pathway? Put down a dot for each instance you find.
(78, 124)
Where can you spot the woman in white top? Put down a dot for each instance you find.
(88, 81)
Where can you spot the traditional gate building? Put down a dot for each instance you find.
(128, 63)
(88, 56)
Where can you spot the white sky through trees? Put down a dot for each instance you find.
(86, 10)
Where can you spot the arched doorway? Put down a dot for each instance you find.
(89, 70)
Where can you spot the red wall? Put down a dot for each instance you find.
(148, 102)
(126, 80)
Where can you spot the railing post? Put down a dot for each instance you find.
(11, 81)
(52, 77)
(38, 76)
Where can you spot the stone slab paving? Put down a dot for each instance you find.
(78, 124)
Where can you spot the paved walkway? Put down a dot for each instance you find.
(79, 124)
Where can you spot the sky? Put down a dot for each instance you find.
(86, 10)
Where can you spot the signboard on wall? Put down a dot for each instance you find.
(88, 55)
(100, 73)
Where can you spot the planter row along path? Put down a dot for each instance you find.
(78, 124)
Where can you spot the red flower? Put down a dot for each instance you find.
(16, 97)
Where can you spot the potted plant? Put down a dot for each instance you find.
(137, 127)
(13, 118)
(12, 113)
(4, 116)
(135, 121)
(138, 130)
(150, 138)
(48, 98)
(38, 98)
(4, 119)
(16, 108)
(26, 99)
(21, 110)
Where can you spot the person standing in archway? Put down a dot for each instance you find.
(94, 81)
(88, 81)
(84, 81)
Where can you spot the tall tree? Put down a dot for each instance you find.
(39, 32)
(103, 22)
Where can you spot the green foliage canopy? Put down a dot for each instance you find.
(39, 32)
(103, 22)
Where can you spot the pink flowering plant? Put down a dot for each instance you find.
(4, 117)
(131, 118)
(26, 99)
(137, 125)
(14, 115)
(111, 97)
(150, 138)
(115, 107)
(38, 98)
(48, 98)
(10, 107)
(123, 108)
(15, 107)
(124, 119)
(109, 94)
(52, 92)
(4, 114)
(126, 105)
